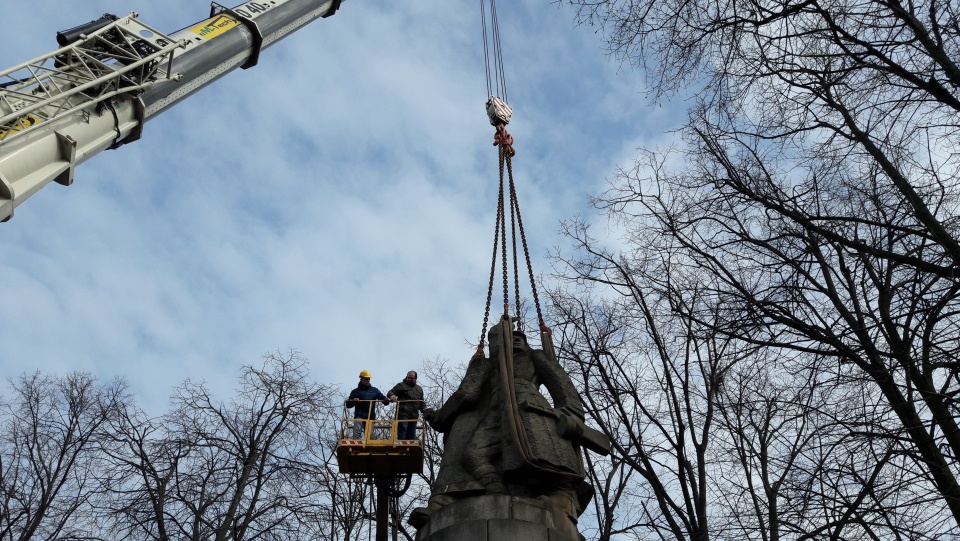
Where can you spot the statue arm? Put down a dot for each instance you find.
(467, 394)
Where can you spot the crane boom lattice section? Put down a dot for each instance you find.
(123, 57)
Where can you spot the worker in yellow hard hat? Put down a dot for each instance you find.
(362, 399)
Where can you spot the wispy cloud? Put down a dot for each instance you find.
(338, 198)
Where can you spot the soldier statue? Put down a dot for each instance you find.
(502, 436)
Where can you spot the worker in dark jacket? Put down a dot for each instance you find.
(409, 396)
(362, 399)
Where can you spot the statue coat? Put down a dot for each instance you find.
(476, 433)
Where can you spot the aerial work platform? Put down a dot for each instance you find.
(378, 452)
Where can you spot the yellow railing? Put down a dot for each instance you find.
(381, 429)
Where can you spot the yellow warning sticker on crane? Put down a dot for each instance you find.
(215, 26)
(20, 124)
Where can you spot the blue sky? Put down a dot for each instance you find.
(337, 199)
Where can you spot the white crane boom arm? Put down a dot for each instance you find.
(112, 75)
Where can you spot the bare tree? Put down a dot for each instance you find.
(817, 195)
(145, 461)
(51, 455)
(234, 470)
(715, 436)
(80, 460)
(651, 383)
(799, 460)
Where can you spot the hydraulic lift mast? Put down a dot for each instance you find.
(112, 75)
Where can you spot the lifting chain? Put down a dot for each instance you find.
(506, 153)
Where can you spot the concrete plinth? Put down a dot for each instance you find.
(497, 517)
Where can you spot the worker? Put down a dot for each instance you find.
(362, 399)
(409, 396)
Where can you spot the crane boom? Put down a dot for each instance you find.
(112, 75)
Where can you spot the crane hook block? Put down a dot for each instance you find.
(498, 111)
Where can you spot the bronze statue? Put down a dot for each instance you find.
(512, 442)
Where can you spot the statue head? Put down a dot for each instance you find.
(520, 340)
(493, 339)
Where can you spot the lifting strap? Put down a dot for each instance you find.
(517, 432)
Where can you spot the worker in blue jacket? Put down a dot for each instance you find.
(362, 399)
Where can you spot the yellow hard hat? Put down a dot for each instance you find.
(364, 373)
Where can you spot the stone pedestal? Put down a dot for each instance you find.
(497, 517)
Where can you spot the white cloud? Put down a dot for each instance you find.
(338, 198)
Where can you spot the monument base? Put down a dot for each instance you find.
(499, 517)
